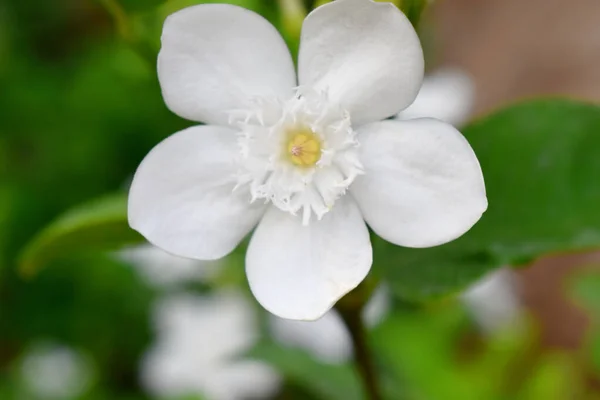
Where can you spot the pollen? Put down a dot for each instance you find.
(303, 147)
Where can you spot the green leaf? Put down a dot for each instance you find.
(541, 165)
(327, 382)
(584, 288)
(98, 225)
(419, 348)
(554, 379)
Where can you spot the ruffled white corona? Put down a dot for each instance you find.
(300, 154)
(307, 159)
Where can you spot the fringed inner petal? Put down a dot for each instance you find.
(301, 154)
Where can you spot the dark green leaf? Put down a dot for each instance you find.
(327, 382)
(541, 163)
(100, 224)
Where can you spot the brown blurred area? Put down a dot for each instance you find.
(517, 49)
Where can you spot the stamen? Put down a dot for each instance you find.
(301, 155)
(303, 147)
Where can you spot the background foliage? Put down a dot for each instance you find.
(81, 107)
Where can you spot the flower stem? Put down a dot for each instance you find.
(351, 313)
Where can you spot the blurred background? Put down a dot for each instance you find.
(80, 106)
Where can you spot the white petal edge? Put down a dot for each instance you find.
(299, 272)
(366, 55)
(447, 94)
(182, 200)
(215, 58)
(423, 185)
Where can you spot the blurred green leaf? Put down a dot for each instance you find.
(593, 347)
(93, 303)
(420, 349)
(585, 291)
(554, 379)
(99, 224)
(327, 382)
(541, 164)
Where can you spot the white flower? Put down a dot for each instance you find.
(198, 349)
(306, 160)
(494, 301)
(51, 371)
(163, 270)
(447, 94)
(327, 339)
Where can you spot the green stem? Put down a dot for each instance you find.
(351, 313)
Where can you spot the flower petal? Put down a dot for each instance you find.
(365, 54)
(217, 57)
(299, 272)
(326, 339)
(182, 198)
(422, 186)
(447, 95)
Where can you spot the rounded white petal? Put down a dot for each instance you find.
(299, 272)
(201, 341)
(422, 186)
(326, 339)
(216, 57)
(164, 270)
(447, 95)
(494, 301)
(182, 199)
(366, 55)
(243, 380)
(55, 372)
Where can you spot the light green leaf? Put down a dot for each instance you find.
(98, 225)
(327, 382)
(555, 378)
(541, 163)
(584, 288)
(419, 349)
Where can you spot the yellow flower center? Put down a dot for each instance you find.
(304, 147)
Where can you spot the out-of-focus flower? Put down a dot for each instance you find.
(280, 151)
(164, 270)
(494, 301)
(327, 339)
(50, 371)
(200, 340)
(447, 94)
